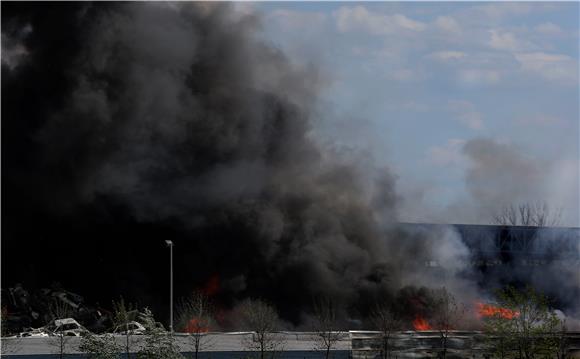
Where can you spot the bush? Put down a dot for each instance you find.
(100, 346)
(159, 344)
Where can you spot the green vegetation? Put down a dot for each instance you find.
(159, 343)
(100, 346)
(530, 330)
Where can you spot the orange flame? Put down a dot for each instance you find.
(196, 325)
(488, 310)
(420, 323)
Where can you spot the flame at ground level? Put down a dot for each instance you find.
(196, 325)
(488, 310)
(419, 323)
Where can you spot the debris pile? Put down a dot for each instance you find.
(23, 310)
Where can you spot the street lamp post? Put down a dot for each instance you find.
(170, 245)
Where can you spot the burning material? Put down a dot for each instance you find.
(419, 323)
(488, 310)
(197, 325)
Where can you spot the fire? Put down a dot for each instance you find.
(488, 310)
(420, 323)
(196, 325)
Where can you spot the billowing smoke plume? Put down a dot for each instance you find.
(179, 115)
(502, 174)
(133, 123)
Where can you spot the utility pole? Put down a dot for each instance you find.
(170, 245)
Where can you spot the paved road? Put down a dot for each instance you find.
(300, 343)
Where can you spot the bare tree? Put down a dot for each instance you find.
(538, 214)
(326, 325)
(261, 318)
(60, 341)
(446, 317)
(122, 314)
(59, 309)
(387, 323)
(195, 317)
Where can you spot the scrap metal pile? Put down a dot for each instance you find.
(23, 310)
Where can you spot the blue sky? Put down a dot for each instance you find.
(416, 85)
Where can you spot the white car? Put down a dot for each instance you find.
(33, 333)
(132, 327)
(67, 327)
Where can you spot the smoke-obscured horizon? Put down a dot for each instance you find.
(176, 119)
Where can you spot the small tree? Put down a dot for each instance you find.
(387, 323)
(446, 317)
(263, 320)
(531, 331)
(122, 315)
(59, 310)
(195, 317)
(326, 326)
(498, 335)
(159, 343)
(562, 341)
(100, 346)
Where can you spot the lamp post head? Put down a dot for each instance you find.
(169, 243)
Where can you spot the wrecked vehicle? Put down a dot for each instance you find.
(132, 327)
(23, 310)
(33, 333)
(66, 327)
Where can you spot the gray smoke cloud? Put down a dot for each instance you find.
(180, 114)
(499, 175)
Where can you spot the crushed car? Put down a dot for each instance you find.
(66, 327)
(34, 333)
(132, 328)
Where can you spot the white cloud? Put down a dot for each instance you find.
(243, 8)
(466, 114)
(504, 40)
(500, 10)
(358, 18)
(289, 19)
(553, 67)
(548, 28)
(448, 24)
(479, 76)
(449, 154)
(447, 56)
(473, 120)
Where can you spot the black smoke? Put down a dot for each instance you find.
(128, 124)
